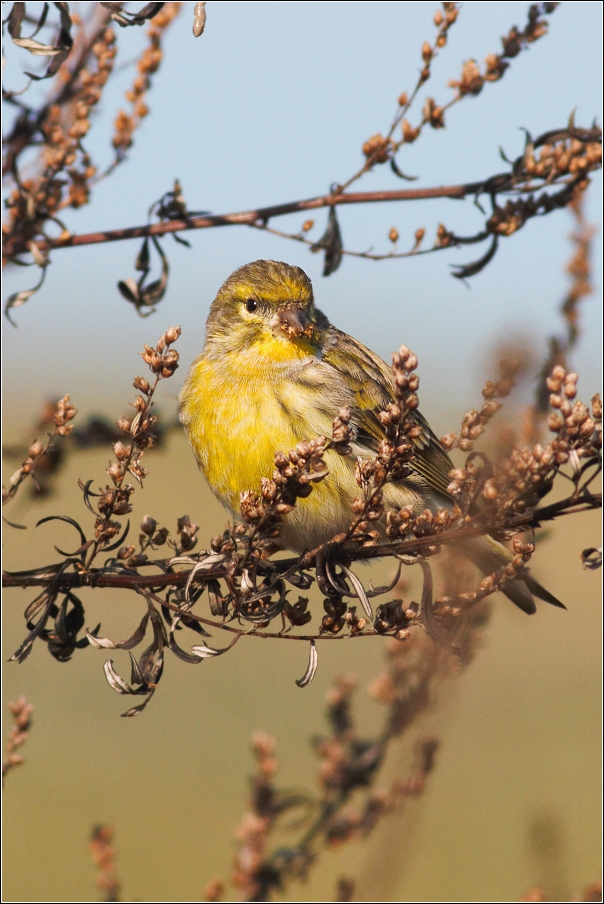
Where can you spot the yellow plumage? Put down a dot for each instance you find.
(275, 372)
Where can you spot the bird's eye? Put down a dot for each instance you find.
(251, 305)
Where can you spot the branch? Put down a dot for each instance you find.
(414, 546)
(247, 217)
(502, 183)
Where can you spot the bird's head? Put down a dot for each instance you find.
(266, 302)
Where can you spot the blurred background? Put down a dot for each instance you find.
(271, 104)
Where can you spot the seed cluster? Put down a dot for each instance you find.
(162, 361)
(394, 453)
(63, 173)
(380, 149)
(293, 479)
(104, 855)
(474, 422)
(66, 169)
(455, 606)
(518, 482)
(347, 806)
(252, 834)
(472, 80)
(38, 452)
(20, 711)
(126, 123)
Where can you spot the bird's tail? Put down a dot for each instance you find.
(489, 555)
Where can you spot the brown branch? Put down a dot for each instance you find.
(93, 579)
(248, 217)
(517, 182)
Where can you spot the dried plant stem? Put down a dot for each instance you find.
(21, 712)
(246, 588)
(251, 217)
(43, 578)
(25, 129)
(103, 854)
(63, 413)
(348, 805)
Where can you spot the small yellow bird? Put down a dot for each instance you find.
(274, 372)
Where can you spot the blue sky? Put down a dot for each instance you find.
(273, 103)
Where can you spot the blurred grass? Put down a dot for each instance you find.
(514, 800)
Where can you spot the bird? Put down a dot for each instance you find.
(275, 372)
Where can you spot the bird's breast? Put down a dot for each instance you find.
(236, 422)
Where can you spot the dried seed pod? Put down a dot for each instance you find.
(199, 18)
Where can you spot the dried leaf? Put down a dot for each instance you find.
(119, 541)
(331, 243)
(18, 298)
(105, 643)
(309, 674)
(15, 18)
(136, 676)
(36, 48)
(68, 520)
(360, 591)
(136, 292)
(592, 558)
(400, 173)
(129, 289)
(178, 651)
(125, 18)
(143, 257)
(194, 625)
(35, 606)
(204, 652)
(218, 603)
(300, 580)
(136, 710)
(147, 12)
(100, 643)
(41, 20)
(14, 524)
(463, 271)
(115, 681)
(62, 47)
(69, 620)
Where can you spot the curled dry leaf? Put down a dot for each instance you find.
(116, 681)
(592, 558)
(313, 660)
(360, 591)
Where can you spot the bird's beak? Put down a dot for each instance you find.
(294, 322)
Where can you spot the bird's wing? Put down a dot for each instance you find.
(372, 386)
